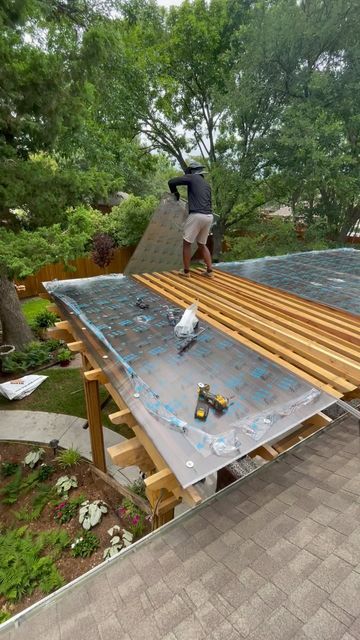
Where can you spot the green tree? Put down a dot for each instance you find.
(23, 252)
(294, 118)
(43, 96)
(127, 222)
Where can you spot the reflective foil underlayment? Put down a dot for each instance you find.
(160, 248)
(160, 386)
(331, 277)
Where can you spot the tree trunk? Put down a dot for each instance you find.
(15, 329)
(352, 217)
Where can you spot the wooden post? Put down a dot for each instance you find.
(92, 397)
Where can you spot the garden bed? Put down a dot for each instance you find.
(55, 540)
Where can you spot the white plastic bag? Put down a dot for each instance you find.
(18, 389)
(186, 326)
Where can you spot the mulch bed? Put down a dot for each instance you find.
(89, 485)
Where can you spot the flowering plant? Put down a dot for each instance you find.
(85, 545)
(65, 511)
(133, 517)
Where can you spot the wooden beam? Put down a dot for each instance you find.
(77, 347)
(279, 314)
(266, 452)
(130, 453)
(122, 417)
(317, 420)
(59, 334)
(190, 495)
(280, 336)
(307, 428)
(123, 491)
(194, 496)
(352, 395)
(163, 479)
(341, 319)
(63, 324)
(163, 504)
(96, 374)
(93, 408)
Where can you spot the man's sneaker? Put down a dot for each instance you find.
(184, 274)
(207, 274)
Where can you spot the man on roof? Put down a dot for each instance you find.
(200, 219)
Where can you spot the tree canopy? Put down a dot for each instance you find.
(99, 96)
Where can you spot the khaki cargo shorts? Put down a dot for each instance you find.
(197, 227)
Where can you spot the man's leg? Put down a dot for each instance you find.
(186, 255)
(201, 240)
(206, 256)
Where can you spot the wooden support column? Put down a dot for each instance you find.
(92, 398)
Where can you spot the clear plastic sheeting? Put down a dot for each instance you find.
(331, 277)
(138, 351)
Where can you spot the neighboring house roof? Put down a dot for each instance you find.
(282, 212)
(114, 199)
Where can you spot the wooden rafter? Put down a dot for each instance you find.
(319, 344)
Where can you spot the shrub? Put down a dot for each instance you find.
(139, 487)
(45, 471)
(18, 485)
(8, 469)
(63, 355)
(45, 495)
(127, 222)
(23, 565)
(35, 355)
(44, 320)
(85, 545)
(68, 458)
(91, 513)
(275, 237)
(52, 344)
(102, 249)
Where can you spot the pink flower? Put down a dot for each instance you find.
(136, 519)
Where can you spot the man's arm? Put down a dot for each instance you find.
(177, 182)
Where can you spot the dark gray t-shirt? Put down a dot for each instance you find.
(199, 192)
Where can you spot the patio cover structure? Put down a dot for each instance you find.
(280, 357)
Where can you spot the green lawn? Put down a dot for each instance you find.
(62, 392)
(33, 306)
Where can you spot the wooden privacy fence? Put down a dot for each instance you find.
(84, 266)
